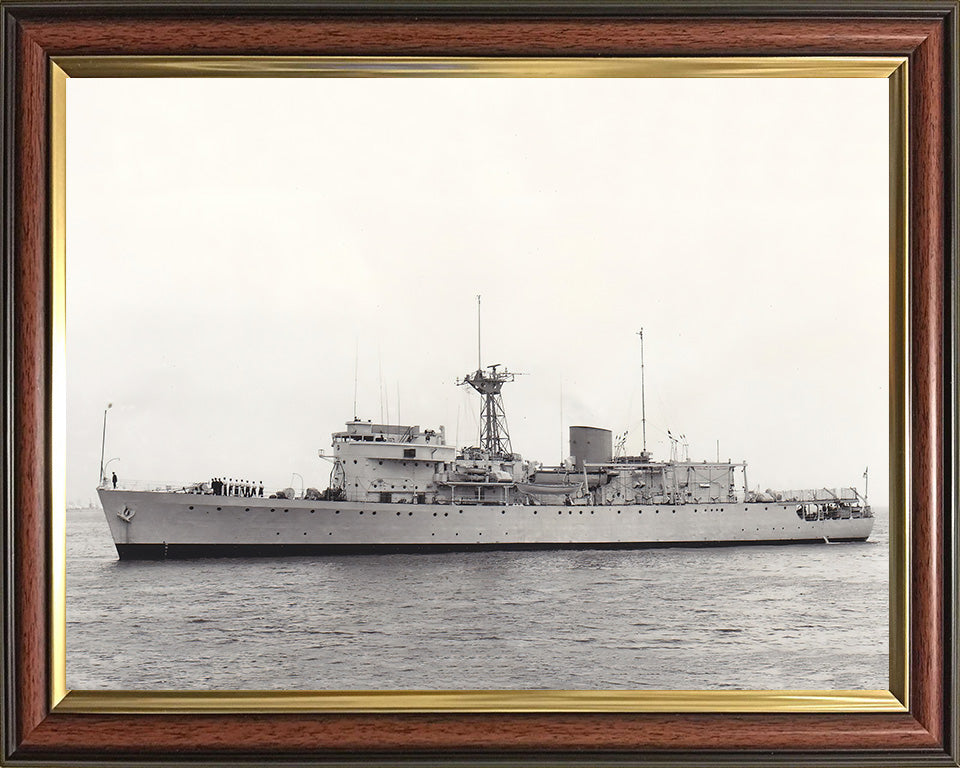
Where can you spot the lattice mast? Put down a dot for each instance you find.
(488, 382)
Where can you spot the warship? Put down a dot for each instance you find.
(402, 488)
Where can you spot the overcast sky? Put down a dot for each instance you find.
(236, 249)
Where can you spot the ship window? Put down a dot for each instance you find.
(398, 514)
(409, 514)
(338, 512)
(409, 453)
(219, 509)
(361, 511)
(434, 514)
(354, 461)
(246, 510)
(445, 514)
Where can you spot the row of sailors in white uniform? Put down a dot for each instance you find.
(231, 487)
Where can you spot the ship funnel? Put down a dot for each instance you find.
(591, 445)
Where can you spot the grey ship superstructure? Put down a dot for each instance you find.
(402, 488)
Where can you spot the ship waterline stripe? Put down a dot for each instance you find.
(232, 702)
(181, 551)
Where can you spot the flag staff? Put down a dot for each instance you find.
(103, 441)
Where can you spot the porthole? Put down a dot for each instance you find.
(461, 511)
(374, 512)
(246, 510)
(337, 512)
(191, 507)
(559, 511)
(312, 511)
(304, 533)
(398, 514)
(361, 511)
(445, 514)
(273, 510)
(409, 514)
(534, 511)
(503, 511)
(581, 511)
(434, 514)
(354, 461)
(330, 533)
(219, 509)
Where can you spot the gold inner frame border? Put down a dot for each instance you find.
(894, 69)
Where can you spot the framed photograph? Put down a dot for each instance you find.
(468, 383)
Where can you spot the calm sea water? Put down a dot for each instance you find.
(801, 616)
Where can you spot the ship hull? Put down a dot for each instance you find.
(160, 525)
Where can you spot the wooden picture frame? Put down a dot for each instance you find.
(37, 729)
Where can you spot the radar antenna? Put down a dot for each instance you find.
(494, 435)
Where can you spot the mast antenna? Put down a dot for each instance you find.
(479, 356)
(643, 394)
(356, 371)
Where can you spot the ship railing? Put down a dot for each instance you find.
(199, 487)
(819, 494)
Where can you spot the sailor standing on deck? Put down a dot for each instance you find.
(114, 481)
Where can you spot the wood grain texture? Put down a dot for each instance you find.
(928, 412)
(423, 37)
(299, 734)
(30, 386)
(920, 733)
